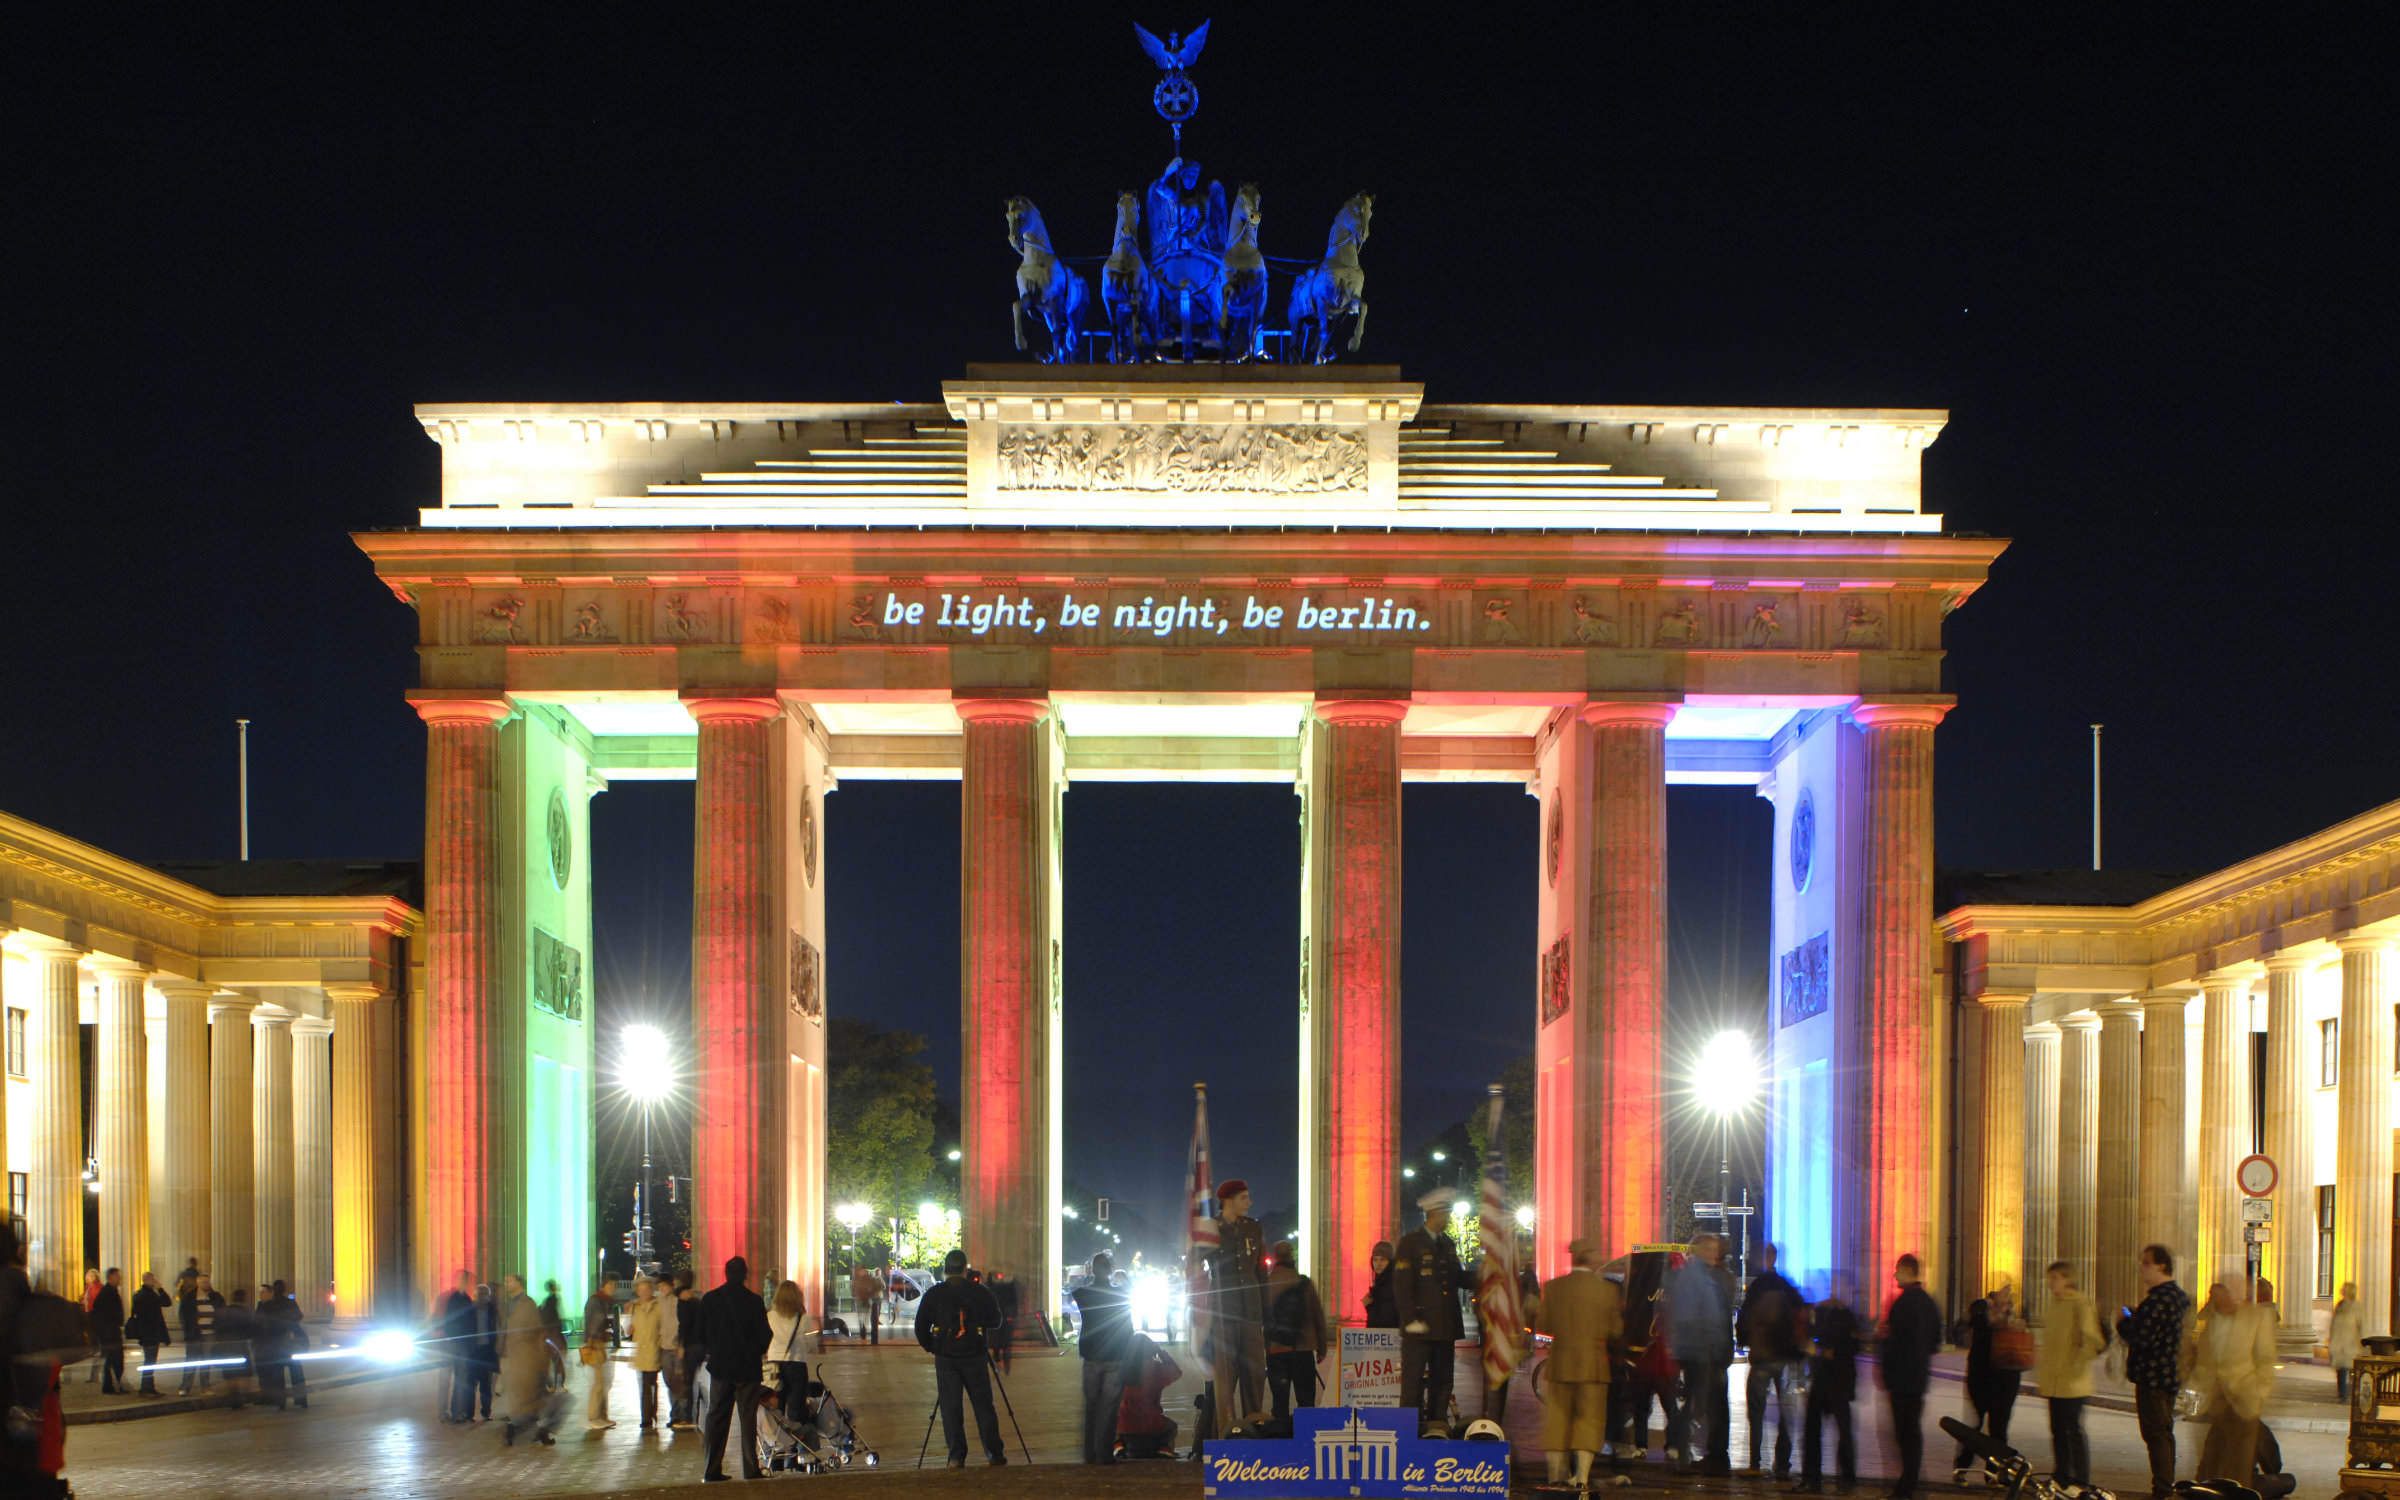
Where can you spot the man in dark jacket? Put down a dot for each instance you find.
(280, 1309)
(1426, 1281)
(734, 1325)
(483, 1354)
(1700, 1298)
(1912, 1331)
(108, 1334)
(148, 1325)
(1107, 1335)
(454, 1324)
(2153, 1337)
(197, 1311)
(951, 1322)
(1769, 1327)
(1832, 1386)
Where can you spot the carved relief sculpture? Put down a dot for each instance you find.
(1762, 629)
(862, 617)
(1679, 626)
(557, 977)
(772, 622)
(685, 624)
(1555, 839)
(1555, 980)
(808, 998)
(1861, 628)
(1806, 987)
(1184, 459)
(587, 625)
(1593, 629)
(1498, 628)
(498, 627)
(808, 832)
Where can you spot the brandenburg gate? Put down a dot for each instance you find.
(1064, 573)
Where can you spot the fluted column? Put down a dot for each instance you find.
(271, 1144)
(2291, 1255)
(54, 1044)
(2078, 1146)
(2159, 1216)
(232, 1173)
(2362, 1193)
(122, 1117)
(1899, 1108)
(2041, 1166)
(2003, 1229)
(737, 1019)
(1004, 987)
(2224, 1126)
(469, 1170)
(179, 1208)
(358, 1239)
(2117, 1219)
(312, 1164)
(1354, 1025)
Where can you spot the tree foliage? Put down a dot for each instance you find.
(879, 1118)
(1516, 1128)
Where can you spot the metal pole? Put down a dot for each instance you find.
(644, 1248)
(242, 782)
(2095, 796)
(1724, 1168)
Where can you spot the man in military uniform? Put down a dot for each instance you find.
(1426, 1281)
(1238, 1282)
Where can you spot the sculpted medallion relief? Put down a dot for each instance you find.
(561, 831)
(808, 995)
(1183, 458)
(808, 832)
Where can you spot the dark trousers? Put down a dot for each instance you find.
(1636, 1395)
(1291, 1380)
(194, 1349)
(112, 1366)
(461, 1405)
(648, 1381)
(1103, 1388)
(2070, 1450)
(970, 1376)
(1776, 1376)
(724, 1397)
(2270, 1452)
(1908, 1435)
(1994, 1401)
(2155, 1411)
(149, 1358)
(1845, 1445)
(1427, 1368)
(1704, 1402)
(479, 1393)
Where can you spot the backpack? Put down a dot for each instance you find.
(947, 1335)
(1287, 1315)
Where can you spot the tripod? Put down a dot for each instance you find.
(998, 1384)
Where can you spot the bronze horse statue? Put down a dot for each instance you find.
(1046, 287)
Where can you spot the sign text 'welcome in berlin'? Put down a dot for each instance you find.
(1362, 1451)
(1205, 615)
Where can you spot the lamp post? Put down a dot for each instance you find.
(643, 1072)
(852, 1216)
(1728, 1080)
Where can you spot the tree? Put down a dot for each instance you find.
(1516, 1128)
(879, 1119)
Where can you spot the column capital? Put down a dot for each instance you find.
(2123, 1008)
(2003, 998)
(2288, 962)
(2081, 1020)
(2367, 943)
(1618, 711)
(271, 1015)
(226, 1004)
(2043, 1031)
(708, 708)
(1018, 710)
(35, 944)
(363, 992)
(2235, 977)
(113, 966)
(1914, 713)
(435, 706)
(1361, 710)
(311, 1026)
(173, 987)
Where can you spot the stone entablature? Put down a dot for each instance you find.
(2341, 882)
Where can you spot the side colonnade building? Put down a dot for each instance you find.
(213, 1054)
(2119, 1058)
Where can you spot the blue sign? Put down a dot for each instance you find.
(1366, 1451)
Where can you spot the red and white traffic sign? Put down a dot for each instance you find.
(2256, 1176)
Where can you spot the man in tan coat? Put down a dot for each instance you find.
(2236, 1373)
(526, 1351)
(1581, 1312)
(2062, 1372)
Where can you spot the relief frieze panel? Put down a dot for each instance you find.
(1179, 458)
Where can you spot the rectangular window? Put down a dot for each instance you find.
(16, 1042)
(2325, 1241)
(20, 1189)
(2329, 1046)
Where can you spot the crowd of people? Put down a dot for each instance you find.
(247, 1349)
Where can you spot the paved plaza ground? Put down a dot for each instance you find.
(381, 1437)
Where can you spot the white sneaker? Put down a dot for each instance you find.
(599, 1426)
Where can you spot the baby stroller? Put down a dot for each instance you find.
(820, 1441)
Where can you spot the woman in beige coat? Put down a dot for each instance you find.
(644, 1325)
(2236, 1371)
(2341, 1340)
(2062, 1372)
(525, 1355)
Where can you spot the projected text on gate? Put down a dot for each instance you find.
(1158, 616)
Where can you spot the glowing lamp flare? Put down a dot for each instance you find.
(643, 1070)
(1728, 1074)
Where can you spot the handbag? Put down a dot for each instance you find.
(593, 1354)
(2012, 1348)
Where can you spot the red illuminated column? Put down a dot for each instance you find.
(1008, 1176)
(737, 1020)
(1898, 1107)
(465, 1175)
(1352, 1093)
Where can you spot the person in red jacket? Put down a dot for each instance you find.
(1142, 1421)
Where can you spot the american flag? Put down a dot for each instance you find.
(1200, 1237)
(1496, 1290)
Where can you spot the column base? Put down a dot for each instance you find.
(2294, 1343)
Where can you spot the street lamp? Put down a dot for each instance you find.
(644, 1072)
(853, 1216)
(1727, 1081)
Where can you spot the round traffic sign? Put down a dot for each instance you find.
(2256, 1175)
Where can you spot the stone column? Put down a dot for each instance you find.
(2291, 1255)
(737, 1019)
(2078, 1145)
(2224, 1128)
(2117, 1222)
(54, 1044)
(469, 1171)
(2003, 1157)
(356, 1142)
(179, 1213)
(312, 1165)
(2041, 1166)
(2362, 1192)
(2158, 1216)
(231, 1171)
(271, 1144)
(1899, 1110)
(121, 1115)
(1353, 1102)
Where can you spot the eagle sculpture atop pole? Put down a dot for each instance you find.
(1176, 98)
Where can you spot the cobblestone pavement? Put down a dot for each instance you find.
(382, 1438)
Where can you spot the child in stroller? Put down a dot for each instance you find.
(809, 1434)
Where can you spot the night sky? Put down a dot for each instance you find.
(2147, 269)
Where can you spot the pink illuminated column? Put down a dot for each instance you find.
(467, 1181)
(1008, 1182)
(1620, 1019)
(1350, 1092)
(1898, 1109)
(737, 1019)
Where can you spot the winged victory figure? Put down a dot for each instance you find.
(1177, 52)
